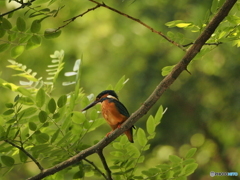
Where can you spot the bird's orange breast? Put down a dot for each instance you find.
(111, 114)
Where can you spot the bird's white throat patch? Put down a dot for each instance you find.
(112, 97)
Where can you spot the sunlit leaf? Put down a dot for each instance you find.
(166, 70)
(190, 168)
(191, 153)
(175, 159)
(141, 137)
(40, 97)
(150, 125)
(17, 51)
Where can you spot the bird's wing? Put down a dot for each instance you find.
(121, 108)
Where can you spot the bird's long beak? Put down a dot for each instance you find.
(90, 105)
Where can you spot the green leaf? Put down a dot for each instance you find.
(40, 97)
(158, 115)
(188, 161)
(21, 25)
(79, 174)
(4, 47)
(166, 70)
(191, 153)
(27, 76)
(2, 31)
(183, 25)
(62, 101)
(36, 26)
(141, 137)
(22, 156)
(32, 126)
(214, 6)
(52, 105)
(7, 160)
(24, 38)
(17, 51)
(190, 168)
(28, 112)
(78, 117)
(26, 101)
(42, 116)
(64, 139)
(2, 132)
(42, 137)
(175, 159)
(40, 2)
(150, 125)
(8, 112)
(55, 135)
(51, 33)
(33, 42)
(120, 84)
(6, 24)
(36, 39)
(9, 105)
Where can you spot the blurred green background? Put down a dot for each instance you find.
(203, 108)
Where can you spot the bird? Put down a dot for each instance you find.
(113, 111)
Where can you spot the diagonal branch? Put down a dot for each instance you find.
(96, 168)
(140, 22)
(153, 98)
(104, 162)
(23, 5)
(27, 153)
(68, 21)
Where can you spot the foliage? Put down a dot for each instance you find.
(50, 127)
(36, 128)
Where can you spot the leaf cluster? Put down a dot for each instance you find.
(37, 126)
(20, 35)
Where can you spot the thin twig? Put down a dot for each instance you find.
(140, 22)
(96, 168)
(104, 162)
(23, 5)
(75, 17)
(25, 152)
(209, 44)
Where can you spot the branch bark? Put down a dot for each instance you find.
(153, 98)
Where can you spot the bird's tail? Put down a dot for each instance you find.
(129, 134)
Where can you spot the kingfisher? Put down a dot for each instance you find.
(113, 111)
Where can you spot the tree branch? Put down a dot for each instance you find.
(75, 17)
(23, 5)
(153, 98)
(96, 168)
(104, 162)
(140, 22)
(25, 152)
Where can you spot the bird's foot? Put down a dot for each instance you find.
(108, 133)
